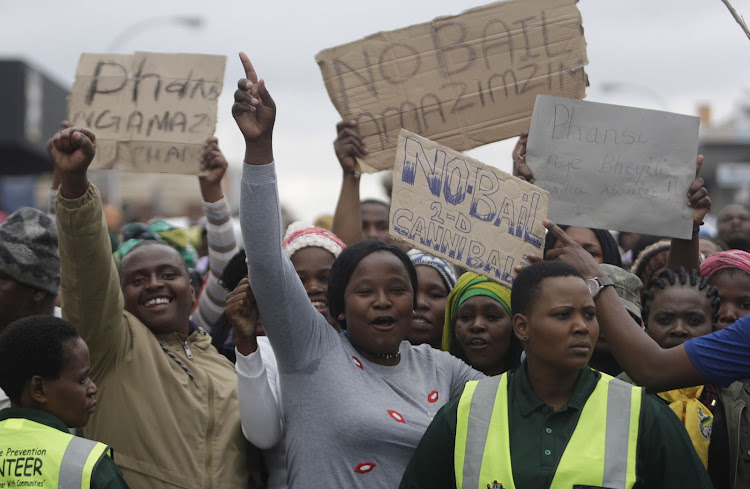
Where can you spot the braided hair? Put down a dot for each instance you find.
(680, 277)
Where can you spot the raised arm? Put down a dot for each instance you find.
(260, 409)
(298, 333)
(347, 222)
(686, 252)
(222, 244)
(91, 294)
(520, 168)
(642, 358)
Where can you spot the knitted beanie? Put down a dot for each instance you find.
(28, 250)
(300, 235)
(442, 267)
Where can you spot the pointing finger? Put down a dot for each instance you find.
(249, 70)
(558, 233)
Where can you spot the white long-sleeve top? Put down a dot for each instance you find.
(260, 408)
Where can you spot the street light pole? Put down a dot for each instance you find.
(191, 22)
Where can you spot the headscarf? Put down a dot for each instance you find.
(300, 235)
(158, 230)
(725, 259)
(443, 268)
(471, 285)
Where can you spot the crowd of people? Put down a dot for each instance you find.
(314, 357)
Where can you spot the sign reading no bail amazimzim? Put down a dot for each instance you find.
(463, 81)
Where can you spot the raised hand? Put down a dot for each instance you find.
(572, 253)
(215, 164)
(242, 313)
(520, 168)
(55, 171)
(697, 195)
(349, 146)
(71, 152)
(254, 111)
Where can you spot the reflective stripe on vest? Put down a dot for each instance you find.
(40, 454)
(596, 454)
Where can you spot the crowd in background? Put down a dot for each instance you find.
(327, 355)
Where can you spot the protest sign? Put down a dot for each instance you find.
(469, 213)
(463, 81)
(614, 167)
(151, 112)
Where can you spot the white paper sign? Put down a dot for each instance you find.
(613, 167)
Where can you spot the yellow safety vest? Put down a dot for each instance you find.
(36, 455)
(601, 452)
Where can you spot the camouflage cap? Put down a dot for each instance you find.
(628, 287)
(28, 250)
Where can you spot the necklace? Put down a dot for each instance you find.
(389, 356)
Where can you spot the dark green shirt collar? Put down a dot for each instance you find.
(37, 415)
(527, 401)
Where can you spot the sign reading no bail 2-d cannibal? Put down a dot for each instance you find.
(464, 211)
(463, 81)
(151, 112)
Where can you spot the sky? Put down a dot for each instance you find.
(666, 55)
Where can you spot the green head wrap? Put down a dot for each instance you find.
(471, 285)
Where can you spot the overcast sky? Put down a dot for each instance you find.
(665, 54)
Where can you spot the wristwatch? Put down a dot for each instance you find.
(596, 284)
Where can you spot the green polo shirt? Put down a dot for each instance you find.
(106, 474)
(538, 435)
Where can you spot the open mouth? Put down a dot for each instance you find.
(476, 343)
(420, 323)
(157, 302)
(321, 306)
(383, 322)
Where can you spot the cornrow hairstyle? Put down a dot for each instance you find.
(610, 250)
(680, 278)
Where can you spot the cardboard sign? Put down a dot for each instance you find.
(463, 81)
(614, 167)
(457, 208)
(150, 112)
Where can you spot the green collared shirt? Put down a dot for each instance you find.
(538, 436)
(106, 474)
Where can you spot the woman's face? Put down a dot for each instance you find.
(429, 316)
(587, 239)
(734, 292)
(677, 314)
(483, 330)
(378, 305)
(313, 266)
(561, 329)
